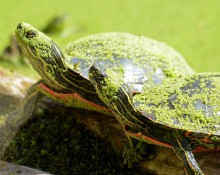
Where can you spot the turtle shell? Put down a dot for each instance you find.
(188, 103)
(142, 62)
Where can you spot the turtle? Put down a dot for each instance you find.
(183, 113)
(65, 73)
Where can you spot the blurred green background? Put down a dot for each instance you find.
(190, 26)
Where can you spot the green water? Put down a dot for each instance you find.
(191, 27)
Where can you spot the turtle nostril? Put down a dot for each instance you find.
(19, 26)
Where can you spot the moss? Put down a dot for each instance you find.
(54, 142)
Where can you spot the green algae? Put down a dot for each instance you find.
(107, 46)
(116, 49)
(187, 103)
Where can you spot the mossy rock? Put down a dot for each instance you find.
(54, 141)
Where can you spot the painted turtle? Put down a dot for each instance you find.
(65, 75)
(183, 113)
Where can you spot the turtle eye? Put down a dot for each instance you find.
(30, 34)
(19, 27)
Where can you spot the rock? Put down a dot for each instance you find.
(8, 168)
(12, 90)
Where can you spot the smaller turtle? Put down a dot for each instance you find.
(182, 114)
(65, 74)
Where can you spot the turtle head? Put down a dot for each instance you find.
(108, 83)
(42, 53)
(98, 79)
(116, 94)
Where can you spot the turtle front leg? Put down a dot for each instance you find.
(130, 153)
(184, 152)
(27, 107)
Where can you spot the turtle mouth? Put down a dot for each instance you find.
(18, 38)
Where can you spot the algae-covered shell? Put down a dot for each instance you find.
(138, 60)
(189, 103)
